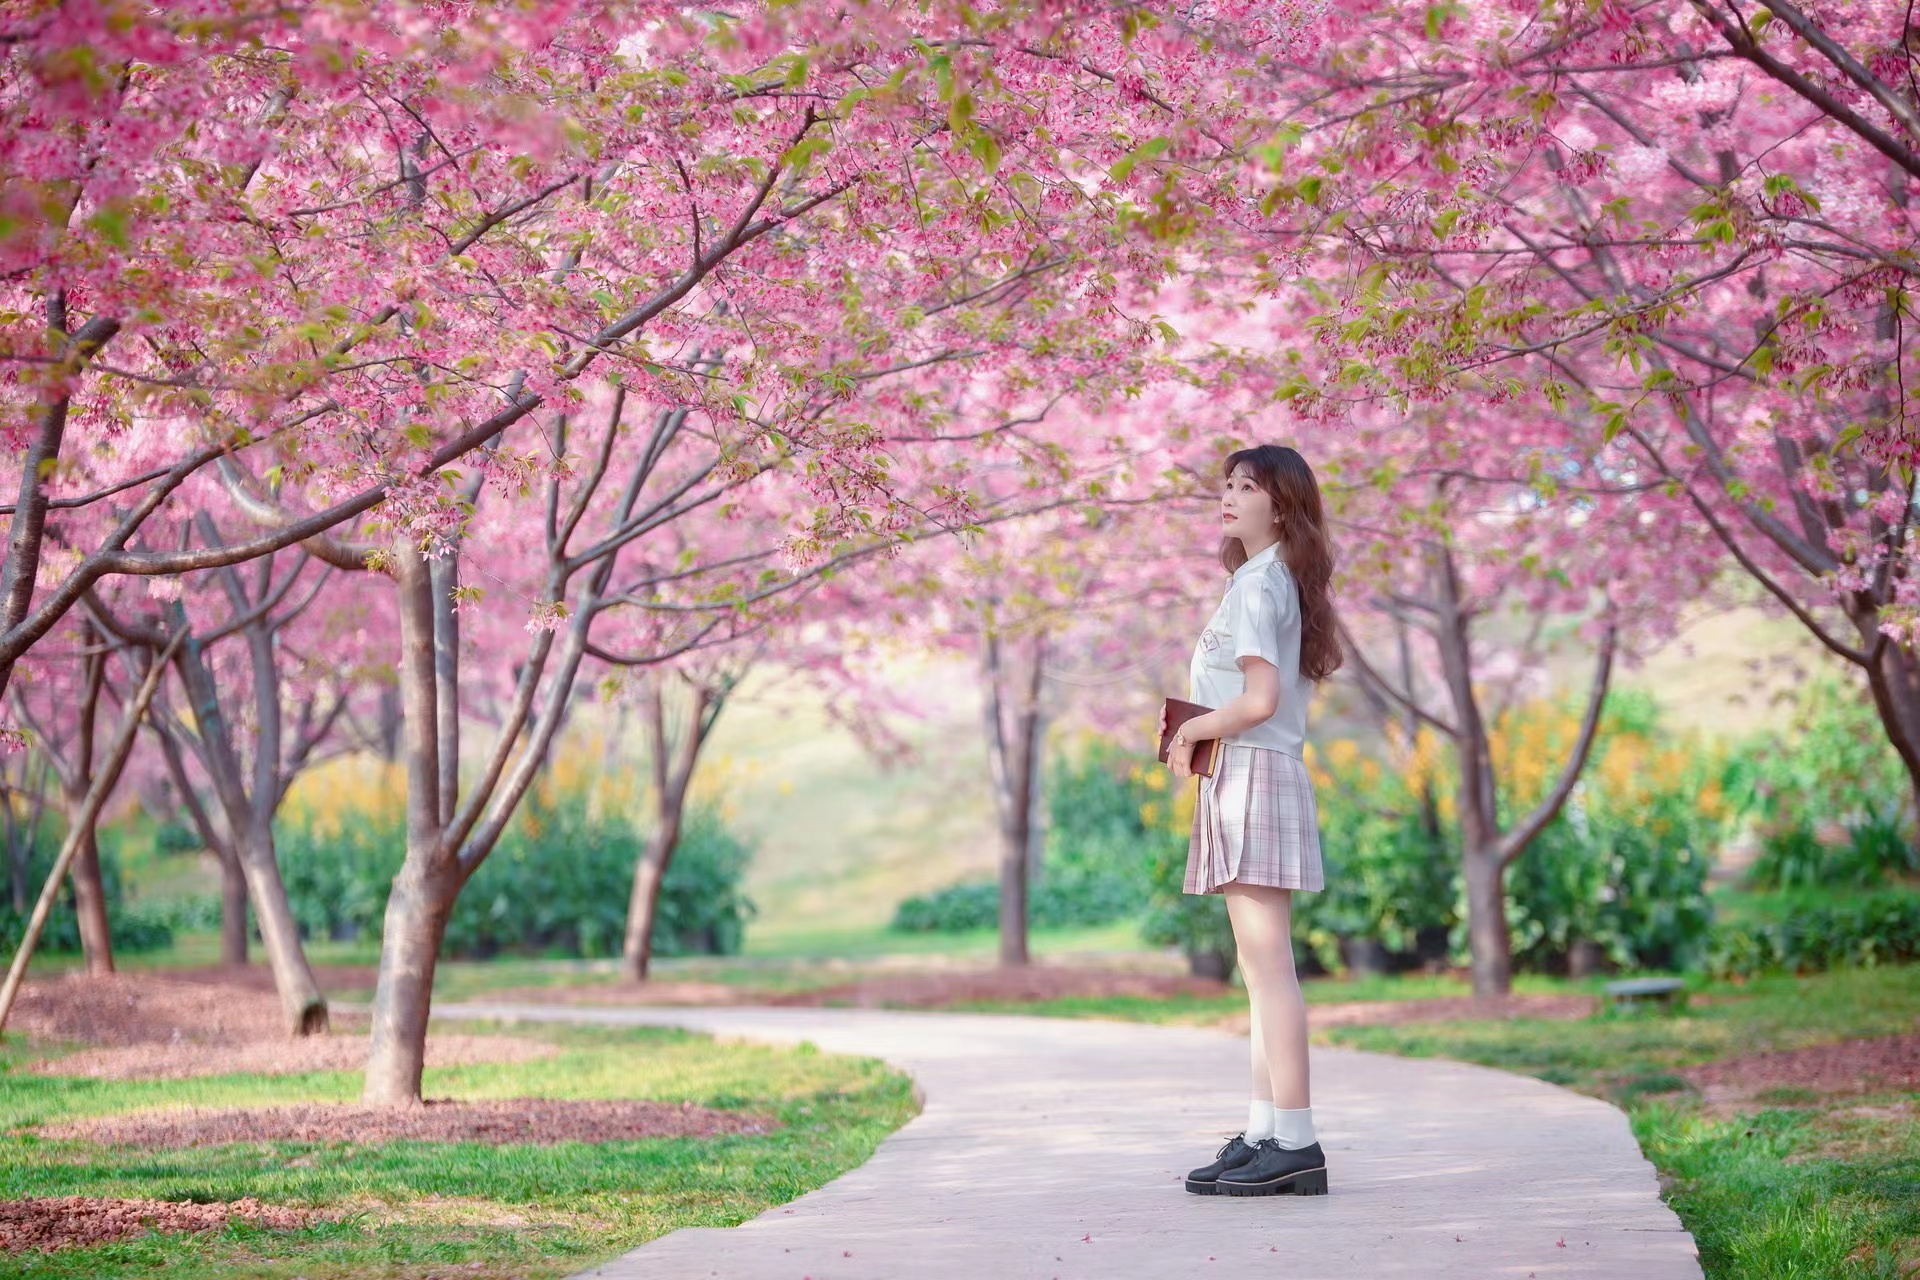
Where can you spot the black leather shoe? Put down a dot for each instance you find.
(1236, 1153)
(1276, 1171)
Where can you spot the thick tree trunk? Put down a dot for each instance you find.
(90, 904)
(416, 922)
(233, 909)
(1491, 948)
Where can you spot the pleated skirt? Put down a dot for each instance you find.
(1256, 823)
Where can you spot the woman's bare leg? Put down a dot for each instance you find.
(1262, 1073)
(1262, 932)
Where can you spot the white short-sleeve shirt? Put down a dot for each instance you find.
(1258, 617)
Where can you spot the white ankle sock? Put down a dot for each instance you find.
(1259, 1120)
(1293, 1129)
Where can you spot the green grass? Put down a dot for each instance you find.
(1790, 1195)
(1722, 1021)
(414, 1207)
(1805, 1188)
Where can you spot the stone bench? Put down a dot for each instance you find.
(1641, 993)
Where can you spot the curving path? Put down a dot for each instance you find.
(1055, 1148)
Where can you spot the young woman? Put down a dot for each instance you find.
(1256, 833)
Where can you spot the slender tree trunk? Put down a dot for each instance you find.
(233, 877)
(1478, 800)
(252, 836)
(636, 951)
(301, 1000)
(673, 764)
(1894, 681)
(20, 842)
(90, 904)
(89, 889)
(110, 770)
(1013, 747)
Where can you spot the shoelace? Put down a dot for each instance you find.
(1221, 1153)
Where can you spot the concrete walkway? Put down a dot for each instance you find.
(1055, 1148)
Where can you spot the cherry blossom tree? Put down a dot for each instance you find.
(1453, 538)
(249, 748)
(1685, 227)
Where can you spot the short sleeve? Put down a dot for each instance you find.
(1260, 609)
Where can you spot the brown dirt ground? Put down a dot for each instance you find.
(68, 1221)
(1836, 1069)
(533, 1121)
(144, 1026)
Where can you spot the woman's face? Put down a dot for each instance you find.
(1246, 512)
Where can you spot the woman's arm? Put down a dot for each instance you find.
(1255, 705)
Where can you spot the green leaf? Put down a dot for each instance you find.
(1151, 149)
(985, 148)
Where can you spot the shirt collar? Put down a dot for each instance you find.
(1259, 561)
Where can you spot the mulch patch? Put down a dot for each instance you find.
(497, 1121)
(202, 1022)
(1839, 1068)
(66, 1222)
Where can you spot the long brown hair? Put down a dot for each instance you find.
(1289, 482)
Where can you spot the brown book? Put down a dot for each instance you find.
(1178, 713)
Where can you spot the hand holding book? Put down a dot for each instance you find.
(1176, 713)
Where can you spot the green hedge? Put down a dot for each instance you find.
(1814, 935)
(134, 926)
(558, 882)
(1093, 864)
(1830, 796)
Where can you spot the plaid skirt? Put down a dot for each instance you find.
(1256, 823)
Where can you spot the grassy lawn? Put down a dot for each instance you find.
(414, 1208)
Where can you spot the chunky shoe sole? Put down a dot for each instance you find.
(1307, 1182)
(1203, 1188)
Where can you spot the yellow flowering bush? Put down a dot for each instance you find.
(1624, 866)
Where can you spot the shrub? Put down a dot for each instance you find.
(1829, 796)
(558, 882)
(174, 837)
(1390, 870)
(134, 926)
(1095, 853)
(1813, 935)
(1624, 865)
